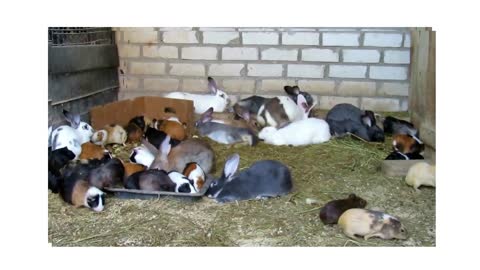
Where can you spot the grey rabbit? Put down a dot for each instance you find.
(345, 118)
(223, 133)
(265, 178)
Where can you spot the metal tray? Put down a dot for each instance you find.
(124, 193)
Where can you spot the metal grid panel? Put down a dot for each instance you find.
(63, 36)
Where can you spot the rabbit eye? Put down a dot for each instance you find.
(85, 127)
(222, 95)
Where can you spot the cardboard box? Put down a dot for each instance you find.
(120, 112)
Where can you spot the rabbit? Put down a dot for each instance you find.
(219, 100)
(369, 223)
(141, 155)
(294, 91)
(171, 127)
(279, 112)
(176, 158)
(92, 151)
(265, 178)
(72, 136)
(150, 180)
(330, 213)
(392, 125)
(345, 118)
(222, 133)
(182, 183)
(252, 104)
(195, 173)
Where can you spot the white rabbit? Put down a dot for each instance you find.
(219, 100)
(72, 136)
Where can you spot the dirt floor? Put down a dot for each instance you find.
(321, 172)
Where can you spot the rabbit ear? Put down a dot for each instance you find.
(73, 119)
(207, 115)
(165, 147)
(292, 90)
(231, 166)
(212, 85)
(366, 120)
(371, 116)
(302, 103)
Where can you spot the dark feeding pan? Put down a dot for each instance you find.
(123, 193)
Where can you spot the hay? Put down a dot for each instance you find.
(322, 172)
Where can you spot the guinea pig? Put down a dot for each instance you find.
(396, 155)
(150, 180)
(74, 189)
(99, 137)
(421, 174)
(330, 213)
(107, 175)
(115, 134)
(369, 223)
(194, 172)
(142, 122)
(407, 144)
(156, 137)
(134, 132)
(182, 183)
(141, 155)
(58, 158)
(131, 168)
(173, 128)
(392, 125)
(93, 151)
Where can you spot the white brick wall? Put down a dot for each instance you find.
(367, 67)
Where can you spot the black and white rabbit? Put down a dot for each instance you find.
(265, 178)
(345, 118)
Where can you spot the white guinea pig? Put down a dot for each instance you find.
(421, 174)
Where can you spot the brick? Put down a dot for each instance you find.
(343, 71)
(239, 53)
(199, 53)
(381, 29)
(221, 37)
(383, 39)
(341, 39)
(180, 37)
(220, 29)
(320, 55)
(394, 89)
(404, 105)
(327, 102)
(260, 38)
(306, 71)
(128, 50)
(154, 51)
(244, 86)
(128, 83)
(396, 57)
(140, 36)
(300, 38)
(388, 73)
(280, 54)
(135, 29)
(160, 84)
(225, 69)
(337, 29)
(317, 87)
(289, 29)
(264, 70)
(361, 56)
(380, 104)
(275, 85)
(407, 42)
(255, 29)
(187, 69)
(195, 85)
(147, 68)
(175, 28)
(347, 88)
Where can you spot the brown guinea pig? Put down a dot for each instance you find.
(134, 132)
(407, 144)
(172, 127)
(93, 151)
(330, 213)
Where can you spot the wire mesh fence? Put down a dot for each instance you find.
(67, 36)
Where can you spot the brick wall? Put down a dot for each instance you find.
(368, 67)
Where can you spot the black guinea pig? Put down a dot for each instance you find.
(330, 213)
(150, 180)
(396, 155)
(58, 158)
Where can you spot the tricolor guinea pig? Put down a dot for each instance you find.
(182, 183)
(143, 122)
(134, 132)
(76, 190)
(407, 144)
(194, 172)
(330, 213)
(156, 137)
(93, 151)
(150, 180)
(369, 223)
(171, 127)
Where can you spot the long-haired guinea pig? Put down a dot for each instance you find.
(107, 175)
(194, 172)
(330, 213)
(93, 151)
(76, 190)
(173, 128)
(134, 132)
(150, 180)
(421, 174)
(142, 122)
(369, 223)
(407, 144)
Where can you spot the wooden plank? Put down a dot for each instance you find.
(399, 167)
(64, 59)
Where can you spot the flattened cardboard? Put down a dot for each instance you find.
(120, 112)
